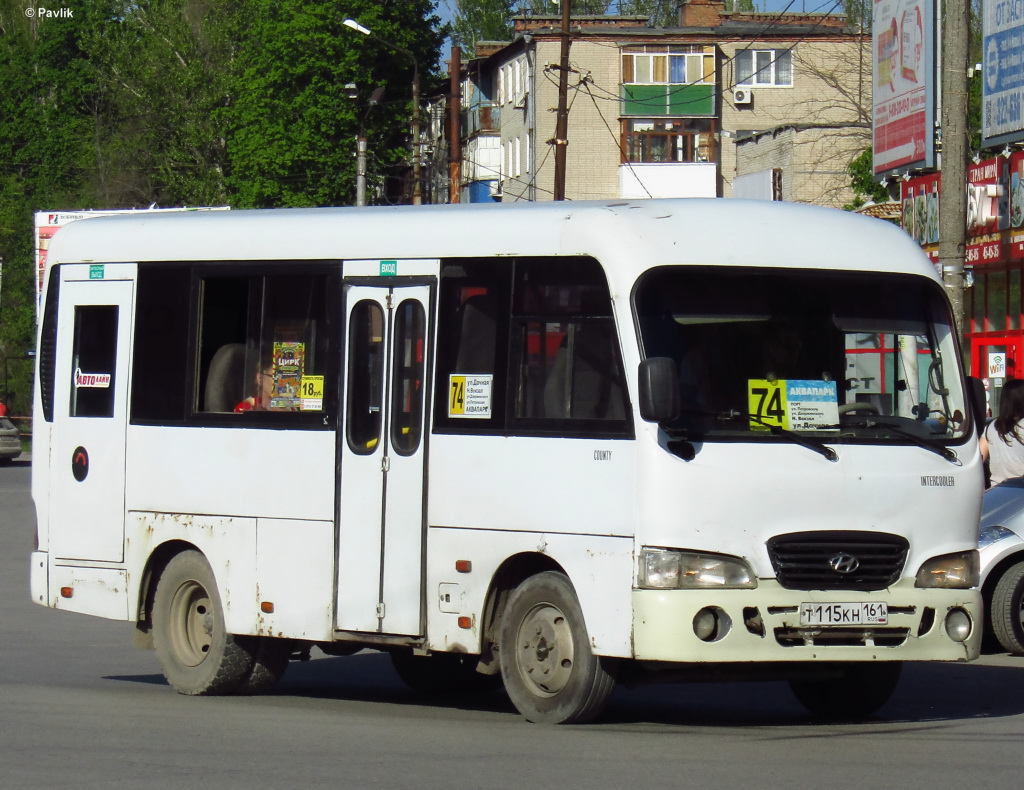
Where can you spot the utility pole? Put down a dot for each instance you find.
(417, 187)
(361, 169)
(953, 195)
(454, 130)
(417, 150)
(561, 140)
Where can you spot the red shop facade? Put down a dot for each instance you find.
(995, 261)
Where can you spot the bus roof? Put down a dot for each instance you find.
(628, 236)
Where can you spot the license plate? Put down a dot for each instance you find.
(863, 613)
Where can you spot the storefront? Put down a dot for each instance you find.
(995, 262)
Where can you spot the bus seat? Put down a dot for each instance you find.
(226, 379)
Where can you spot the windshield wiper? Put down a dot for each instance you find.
(816, 445)
(920, 441)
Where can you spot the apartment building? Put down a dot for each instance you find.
(726, 104)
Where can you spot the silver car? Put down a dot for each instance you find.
(10, 441)
(1001, 545)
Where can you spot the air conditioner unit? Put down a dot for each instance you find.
(742, 96)
(519, 100)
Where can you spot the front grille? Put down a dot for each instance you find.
(837, 560)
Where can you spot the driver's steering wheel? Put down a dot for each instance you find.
(850, 408)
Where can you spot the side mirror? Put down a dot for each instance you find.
(659, 389)
(976, 395)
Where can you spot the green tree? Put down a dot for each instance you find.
(862, 179)
(481, 20)
(46, 132)
(291, 126)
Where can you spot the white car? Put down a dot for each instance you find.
(1001, 546)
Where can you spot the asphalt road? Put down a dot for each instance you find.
(81, 708)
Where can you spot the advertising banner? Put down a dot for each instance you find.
(1002, 87)
(47, 223)
(995, 210)
(903, 46)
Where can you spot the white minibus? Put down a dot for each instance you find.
(555, 446)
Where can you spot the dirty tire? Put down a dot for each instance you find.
(857, 690)
(270, 660)
(442, 673)
(197, 655)
(1007, 611)
(549, 671)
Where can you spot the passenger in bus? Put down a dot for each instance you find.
(1002, 443)
(263, 391)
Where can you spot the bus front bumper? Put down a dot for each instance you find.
(764, 624)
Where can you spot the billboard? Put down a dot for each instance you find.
(1002, 86)
(47, 223)
(903, 112)
(995, 210)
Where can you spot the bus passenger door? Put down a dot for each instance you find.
(90, 406)
(382, 503)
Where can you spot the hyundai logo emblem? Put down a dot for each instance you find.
(844, 563)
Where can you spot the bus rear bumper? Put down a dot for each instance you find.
(764, 624)
(39, 577)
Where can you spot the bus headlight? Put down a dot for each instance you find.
(663, 569)
(950, 571)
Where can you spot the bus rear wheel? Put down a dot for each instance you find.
(854, 691)
(549, 671)
(196, 653)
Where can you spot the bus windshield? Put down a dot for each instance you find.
(844, 356)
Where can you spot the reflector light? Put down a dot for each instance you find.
(67, 592)
(267, 607)
(463, 566)
(465, 622)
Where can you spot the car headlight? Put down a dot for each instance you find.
(950, 571)
(663, 569)
(993, 534)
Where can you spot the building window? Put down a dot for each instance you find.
(664, 65)
(764, 67)
(668, 80)
(661, 140)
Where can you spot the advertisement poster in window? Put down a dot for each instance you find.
(289, 358)
(903, 43)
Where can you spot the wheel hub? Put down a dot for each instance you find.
(546, 651)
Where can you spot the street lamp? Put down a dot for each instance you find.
(417, 191)
(352, 92)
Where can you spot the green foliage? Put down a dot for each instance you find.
(862, 179)
(191, 102)
(482, 20)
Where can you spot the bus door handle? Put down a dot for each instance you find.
(385, 464)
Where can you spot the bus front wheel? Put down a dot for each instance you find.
(549, 671)
(196, 653)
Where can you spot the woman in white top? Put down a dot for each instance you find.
(1003, 441)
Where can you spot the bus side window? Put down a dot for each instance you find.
(569, 363)
(93, 361)
(263, 345)
(473, 323)
(160, 361)
(365, 376)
